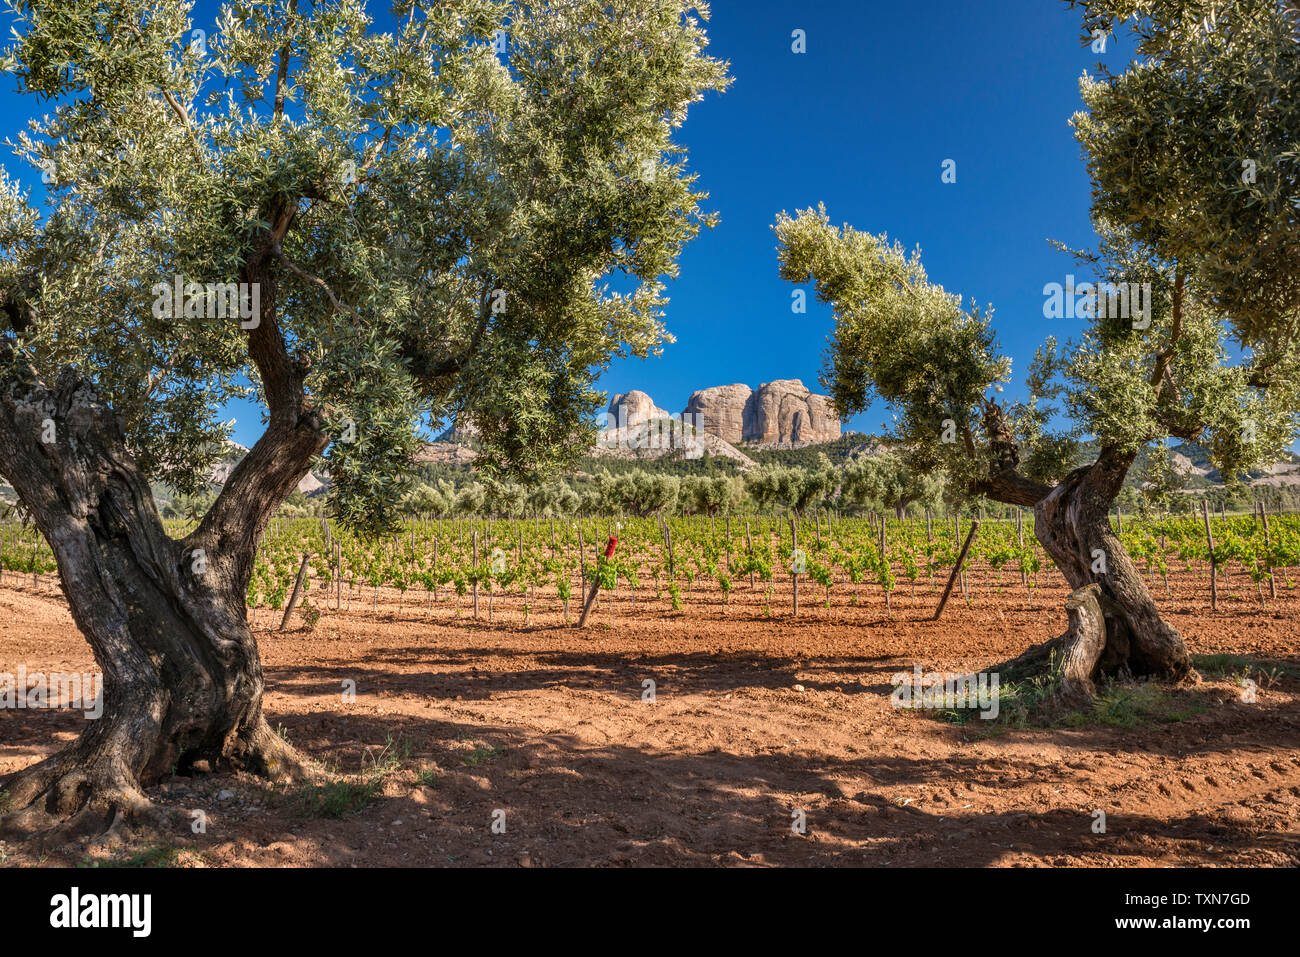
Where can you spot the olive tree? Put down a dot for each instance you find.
(503, 497)
(553, 499)
(1195, 186)
(1194, 149)
(425, 500)
(711, 494)
(1126, 382)
(886, 480)
(796, 488)
(368, 227)
(470, 499)
(638, 492)
(1163, 482)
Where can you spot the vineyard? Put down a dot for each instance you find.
(524, 567)
(465, 704)
(419, 447)
(521, 568)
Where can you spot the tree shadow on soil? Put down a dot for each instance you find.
(569, 803)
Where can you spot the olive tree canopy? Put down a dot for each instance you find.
(1195, 148)
(465, 207)
(441, 218)
(1195, 190)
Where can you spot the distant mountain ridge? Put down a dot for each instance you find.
(724, 421)
(783, 411)
(780, 413)
(646, 438)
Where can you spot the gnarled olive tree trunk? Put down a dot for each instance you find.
(1115, 628)
(182, 680)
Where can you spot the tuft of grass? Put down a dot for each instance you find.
(481, 754)
(1021, 702)
(1024, 698)
(353, 793)
(155, 855)
(426, 779)
(1241, 667)
(1127, 705)
(337, 799)
(1032, 701)
(390, 758)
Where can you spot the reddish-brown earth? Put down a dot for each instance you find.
(547, 724)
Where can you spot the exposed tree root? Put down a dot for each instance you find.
(61, 800)
(77, 793)
(1093, 647)
(263, 752)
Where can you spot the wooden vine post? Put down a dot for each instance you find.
(1209, 538)
(595, 581)
(970, 537)
(475, 573)
(884, 558)
(1020, 530)
(749, 545)
(297, 590)
(956, 524)
(672, 562)
(1268, 552)
(794, 562)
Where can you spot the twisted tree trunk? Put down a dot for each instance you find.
(1114, 627)
(1073, 525)
(182, 680)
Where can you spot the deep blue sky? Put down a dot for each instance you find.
(862, 121)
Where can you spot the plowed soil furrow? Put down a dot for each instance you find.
(758, 722)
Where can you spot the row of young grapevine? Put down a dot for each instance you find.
(468, 564)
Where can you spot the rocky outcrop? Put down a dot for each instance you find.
(721, 410)
(445, 453)
(787, 411)
(646, 443)
(784, 411)
(636, 428)
(1280, 475)
(627, 410)
(823, 421)
(459, 431)
(1183, 465)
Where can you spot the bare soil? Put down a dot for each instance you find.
(756, 716)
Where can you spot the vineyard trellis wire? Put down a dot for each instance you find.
(686, 561)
